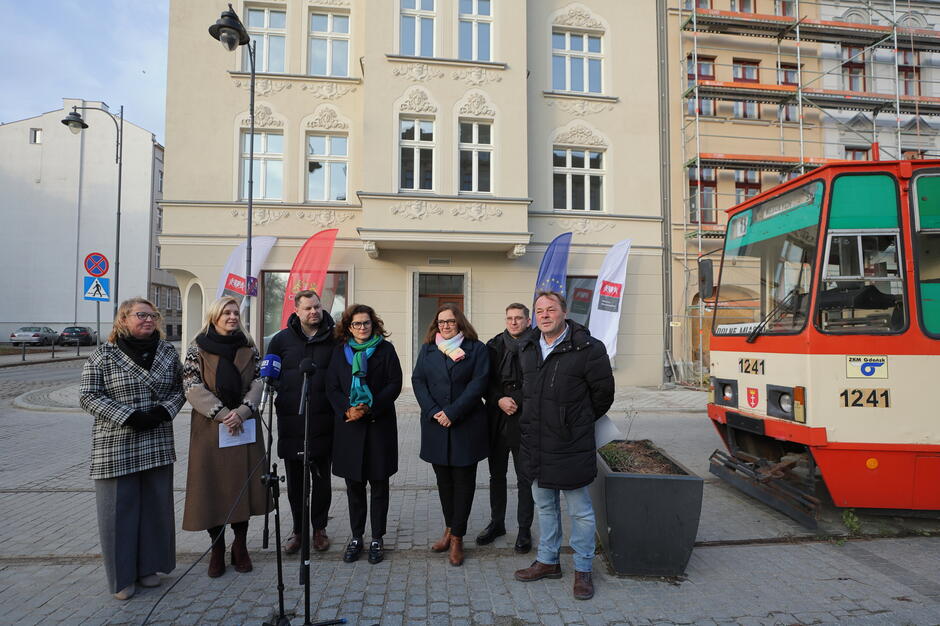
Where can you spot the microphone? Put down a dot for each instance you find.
(270, 372)
(307, 367)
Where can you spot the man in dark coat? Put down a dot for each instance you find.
(309, 335)
(567, 385)
(504, 406)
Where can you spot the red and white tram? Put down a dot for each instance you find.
(834, 365)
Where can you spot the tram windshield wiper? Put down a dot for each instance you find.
(780, 306)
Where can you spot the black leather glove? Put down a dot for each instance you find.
(140, 420)
(161, 413)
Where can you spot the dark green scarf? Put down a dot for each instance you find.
(357, 355)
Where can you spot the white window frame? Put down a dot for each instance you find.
(331, 36)
(262, 157)
(475, 19)
(568, 54)
(328, 159)
(418, 14)
(416, 145)
(475, 147)
(568, 170)
(262, 35)
(35, 136)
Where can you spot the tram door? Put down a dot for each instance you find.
(431, 292)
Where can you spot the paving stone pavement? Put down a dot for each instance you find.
(752, 565)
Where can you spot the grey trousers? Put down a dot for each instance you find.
(136, 524)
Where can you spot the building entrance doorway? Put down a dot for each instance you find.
(432, 291)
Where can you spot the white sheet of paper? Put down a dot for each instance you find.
(247, 435)
(606, 431)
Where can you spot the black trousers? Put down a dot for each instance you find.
(320, 493)
(499, 466)
(456, 486)
(377, 506)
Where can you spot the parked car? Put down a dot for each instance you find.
(41, 335)
(82, 335)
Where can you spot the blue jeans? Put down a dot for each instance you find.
(583, 527)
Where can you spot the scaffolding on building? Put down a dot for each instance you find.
(796, 27)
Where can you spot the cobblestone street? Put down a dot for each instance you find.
(751, 564)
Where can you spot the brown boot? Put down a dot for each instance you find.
(321, 542)
(538, 571)
(217, 559)
(240, 559)
(443, 543)
(583, 586)
(456, 551)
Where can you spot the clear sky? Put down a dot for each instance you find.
(108, 50)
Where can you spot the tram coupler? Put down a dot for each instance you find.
(766, 482)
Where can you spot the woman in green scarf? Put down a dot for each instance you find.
(363, 382)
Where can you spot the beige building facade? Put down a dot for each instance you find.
(449, 141)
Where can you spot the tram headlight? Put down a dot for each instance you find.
(786, 402)
(726, 392)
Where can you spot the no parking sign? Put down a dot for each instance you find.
(96, 264)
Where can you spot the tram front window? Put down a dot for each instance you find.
(862, 289)
(767, 268)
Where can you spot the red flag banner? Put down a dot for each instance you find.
(309, 269)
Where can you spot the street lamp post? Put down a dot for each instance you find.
(76, 124)
(231, 33)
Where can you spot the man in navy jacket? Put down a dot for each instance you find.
(567, 385)
(309, 335)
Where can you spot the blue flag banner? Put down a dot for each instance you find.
(553, 272)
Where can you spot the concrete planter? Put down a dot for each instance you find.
(647, 523)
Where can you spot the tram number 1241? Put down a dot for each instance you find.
(865, 398)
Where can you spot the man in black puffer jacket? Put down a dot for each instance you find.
(309, 335)
(567, 385)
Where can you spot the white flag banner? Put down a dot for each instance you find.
(607, 302)
(232, 281)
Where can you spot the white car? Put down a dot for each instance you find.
(40, 335)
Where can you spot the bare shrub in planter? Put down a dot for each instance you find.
(647, 506)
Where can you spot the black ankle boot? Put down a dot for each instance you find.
(491, 532)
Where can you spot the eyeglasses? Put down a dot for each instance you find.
(446, 322)
(147, 316)
(364, 324)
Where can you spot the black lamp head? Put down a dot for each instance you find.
(75, 122)
(229, 30)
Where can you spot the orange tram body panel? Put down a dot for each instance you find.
(825, 355)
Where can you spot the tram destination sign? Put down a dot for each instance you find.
(786, 202)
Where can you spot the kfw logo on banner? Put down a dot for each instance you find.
(609, 297)
(235, 285)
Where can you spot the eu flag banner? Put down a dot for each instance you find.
(553, 272)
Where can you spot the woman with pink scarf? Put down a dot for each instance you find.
(449, 381)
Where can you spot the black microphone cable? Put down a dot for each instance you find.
(221, 535)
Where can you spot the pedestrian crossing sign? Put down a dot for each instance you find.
(97, 288)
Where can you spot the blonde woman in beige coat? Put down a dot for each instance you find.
(222, 383)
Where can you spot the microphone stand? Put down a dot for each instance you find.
(307, 366)
(272, 481)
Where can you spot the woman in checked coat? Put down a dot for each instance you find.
(132, 386)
